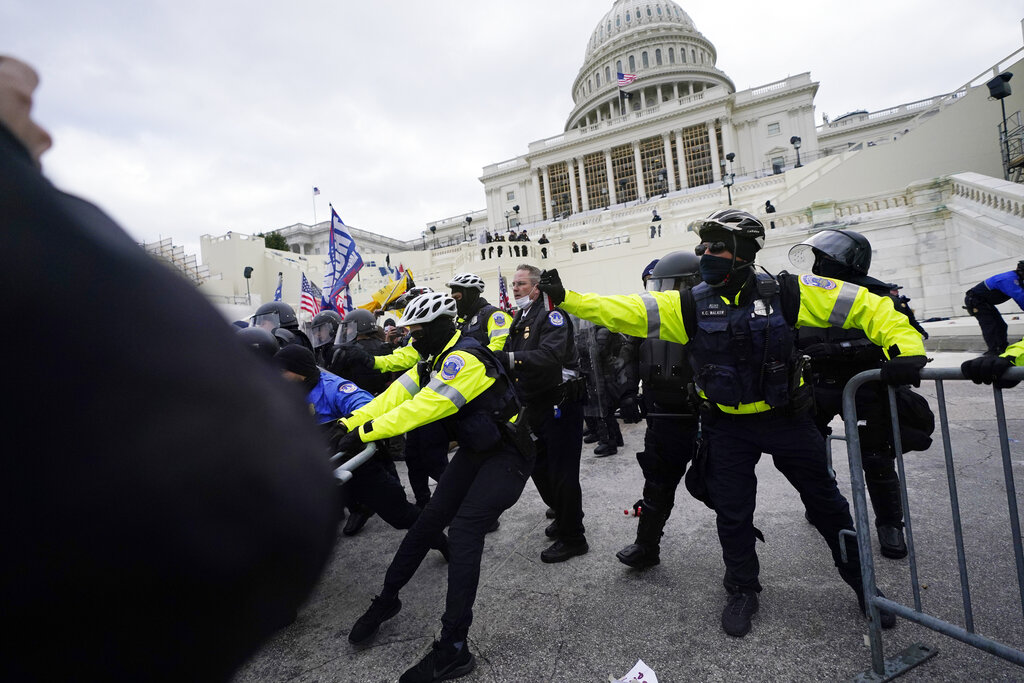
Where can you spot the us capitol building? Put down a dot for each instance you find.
(930, 183)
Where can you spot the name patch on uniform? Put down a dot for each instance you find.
(713, 311)
(556, 318)
(499, 318)
(347, 388)
(451, 367)
(815, 281)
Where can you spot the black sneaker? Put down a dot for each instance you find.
(381, 609)
(560, 551)
(591, 438)
(639, 556)
(551, 530)
(550, 513)
(891, 541)
(738, 611)
(888, 619)
(605, 449)
(357, 520)
(494, 527)
(442, 663)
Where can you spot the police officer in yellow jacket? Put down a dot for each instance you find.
(462, 386)
(739, 328)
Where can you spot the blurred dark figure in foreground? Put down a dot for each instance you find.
(177, 509)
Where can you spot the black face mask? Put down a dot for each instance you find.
(467, 303)
(826, 267)
(309, 383)
(715, 270)
(431, 338)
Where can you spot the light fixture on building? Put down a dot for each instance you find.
(663, 181)
(727, 180)
(999, 89)
(247, 273)
(433, 232)
(465, 226)
(795, 141)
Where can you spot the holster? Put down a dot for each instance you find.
(519, 435)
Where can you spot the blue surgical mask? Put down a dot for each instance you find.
(714, 269)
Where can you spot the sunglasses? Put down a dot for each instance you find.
(710, 248)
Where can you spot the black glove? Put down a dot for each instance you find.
(503, 358)
(551, 285)
(822, 350)
(335, 434)
(988, 370)
(903, 370)
(631, 410)
(350, 443)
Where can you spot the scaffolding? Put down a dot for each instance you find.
(176, 257)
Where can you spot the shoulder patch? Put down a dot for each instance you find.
(498, 318)
(820, 282)
(348, 388)
(452, 365)
(556, 318)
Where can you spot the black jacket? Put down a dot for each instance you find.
(540, 345)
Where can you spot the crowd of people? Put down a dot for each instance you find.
(191, 509)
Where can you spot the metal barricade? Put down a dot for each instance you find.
(885, 669)
(343, 472)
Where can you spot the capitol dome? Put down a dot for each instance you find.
(656, 41)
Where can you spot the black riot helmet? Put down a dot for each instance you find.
(275, 314)
(259, 340)
(679, 270)
(356, 322)
(832, 253)
(324, 328)
(1020, 270)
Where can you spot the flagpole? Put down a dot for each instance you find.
(314, 206)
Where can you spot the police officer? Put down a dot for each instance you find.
(485, 322)
(277, 314)
(322, 332)
(259, 340)
(541, 354)
(672, 416)
(460, 384)
(838, 354)
(359, 337)
(739, 328)
(981, 301)
(331, 398)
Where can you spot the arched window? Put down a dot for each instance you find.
(597, 78)
(649, 11)
(693, 55)
(682, 55)
(618, 22)
(632, 64)
(657, 57)
(608, 74)
(659, 10)
(671, 55)
(702, 56)
(647, 62)
(638, 15)
(618, 66)
(590, 86)
(629, 17)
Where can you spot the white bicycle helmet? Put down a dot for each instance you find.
(467, 280)
(427, 307)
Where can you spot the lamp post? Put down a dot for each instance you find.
(247, 273)
(465, 228)
(727, 180)
(795, 141)
(999, 89)
(433, 233)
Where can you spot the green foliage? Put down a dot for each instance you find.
(274, 240)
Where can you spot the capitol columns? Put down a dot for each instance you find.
(681, 153)
(610, 172)
(670, 175)
(641, 191)
(535, 194)
(716, 161)
(574, 205)
(547, 193)
(583, 183)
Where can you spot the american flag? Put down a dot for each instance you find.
(316, 191)
(311, 296)
(503, 300)
(626, 79)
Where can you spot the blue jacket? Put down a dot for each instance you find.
(1009, 284)
(334, 397)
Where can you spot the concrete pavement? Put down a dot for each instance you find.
(592, 616)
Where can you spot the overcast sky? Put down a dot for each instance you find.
(183, 118)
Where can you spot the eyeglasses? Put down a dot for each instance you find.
(521, 284)
(710, 248)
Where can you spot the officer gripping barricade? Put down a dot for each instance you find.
(460, 384)
(838, 354)
(1002, 372)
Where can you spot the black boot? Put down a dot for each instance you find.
(443, 663)
(646, 550)
(884, 490)
(357, 520)
(605, 448)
